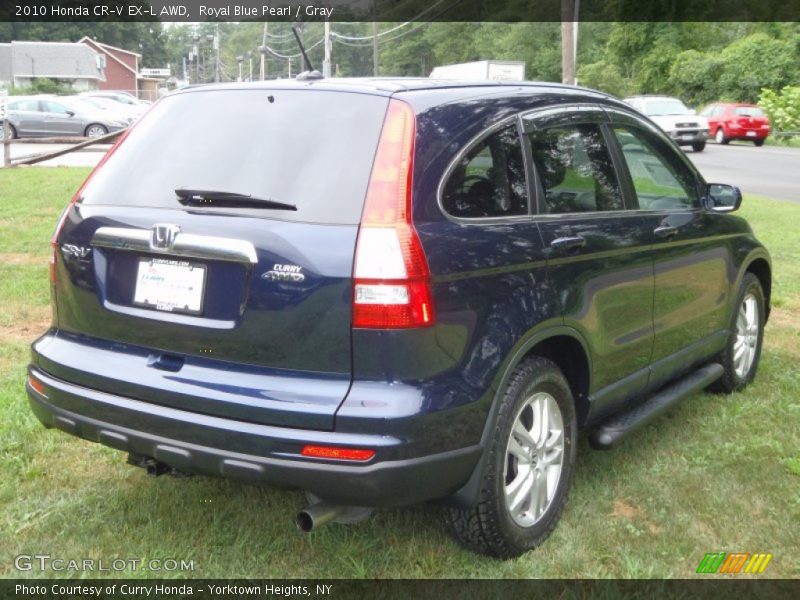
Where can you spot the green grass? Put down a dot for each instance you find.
(721, 474)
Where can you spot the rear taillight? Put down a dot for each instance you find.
(77, 196)
(391, 280)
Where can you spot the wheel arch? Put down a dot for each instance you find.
(761, 268)
(565, 347)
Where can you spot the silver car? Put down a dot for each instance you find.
(55, 116)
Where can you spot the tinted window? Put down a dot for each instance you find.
(310, 148)
(490, 180)
(575, 170)
(29, 105)
(660, 179)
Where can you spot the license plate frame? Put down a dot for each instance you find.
(192, 287)
(751, 134)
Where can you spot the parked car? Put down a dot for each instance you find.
(432, 314)
(679, 122)
(45, 116)
(737, 122)
(112, 109)
(123, 98)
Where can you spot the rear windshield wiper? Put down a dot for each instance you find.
(189, 197)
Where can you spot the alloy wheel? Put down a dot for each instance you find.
(534, 459)
(747, 329)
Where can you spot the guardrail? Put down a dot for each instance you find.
(79, 143)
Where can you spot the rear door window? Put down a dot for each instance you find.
(26, 105)
(489, 181)
(575, 170)
(310, 148)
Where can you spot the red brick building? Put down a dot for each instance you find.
(122, 67)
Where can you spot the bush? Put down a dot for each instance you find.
(42, 85)
(782, 108)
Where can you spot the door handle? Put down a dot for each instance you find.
(666, 231)
(568, 243)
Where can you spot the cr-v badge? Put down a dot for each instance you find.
(284, 273)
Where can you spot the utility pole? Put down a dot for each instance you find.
(374, 40)
(263, 51)
(250, 65)
(569, 41)
(6, 127)
(326, 62)
(216, 48)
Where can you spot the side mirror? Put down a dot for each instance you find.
(70, 113)
(721, 197)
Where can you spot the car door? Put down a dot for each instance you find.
(60, 120)
(25, 116)
(689, 248)
(598, 255)
(712, 114)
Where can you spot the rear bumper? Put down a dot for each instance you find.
(249, 452)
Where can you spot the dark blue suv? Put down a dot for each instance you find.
(385, 292)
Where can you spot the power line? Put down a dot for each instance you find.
(388, 31)
(279, 55)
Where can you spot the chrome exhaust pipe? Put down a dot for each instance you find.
(317, 515)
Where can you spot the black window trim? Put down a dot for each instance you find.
(477, 139)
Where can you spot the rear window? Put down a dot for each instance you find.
(313, 149)
(748, 111)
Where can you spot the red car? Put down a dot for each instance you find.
(728, 122)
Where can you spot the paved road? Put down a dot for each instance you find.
(768, 171)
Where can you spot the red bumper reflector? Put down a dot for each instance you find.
(36, 385)
(337, 453)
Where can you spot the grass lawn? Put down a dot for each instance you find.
(720, 474)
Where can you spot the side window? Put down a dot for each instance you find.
(575, 170)
(489, 181)
(27, 105)
(659, 177)
(54, 107)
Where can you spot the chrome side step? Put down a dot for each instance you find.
(618, 427)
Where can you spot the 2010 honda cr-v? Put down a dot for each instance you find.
(391, 291)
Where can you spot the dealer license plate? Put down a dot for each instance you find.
(170, 285)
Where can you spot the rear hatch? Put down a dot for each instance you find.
(215, 247)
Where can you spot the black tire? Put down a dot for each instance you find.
(758, 143)
(100, 129)
(698, 146)
(731, 380)
(488, 527)
(719, 136)
(3, 132)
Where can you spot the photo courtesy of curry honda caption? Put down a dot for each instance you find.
(386, 292)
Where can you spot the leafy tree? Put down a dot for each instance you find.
(755, 62)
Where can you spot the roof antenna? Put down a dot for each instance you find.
(310, 72)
